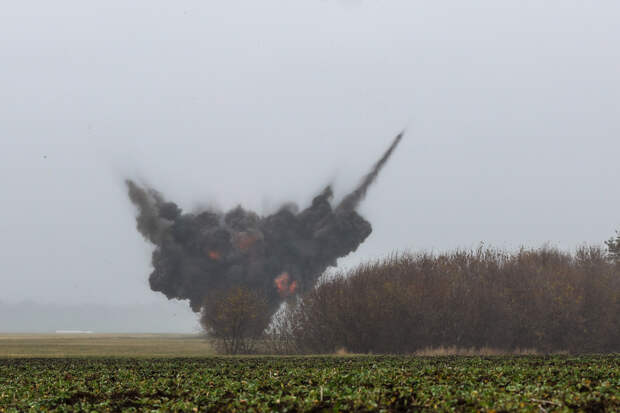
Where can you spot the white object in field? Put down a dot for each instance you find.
(73, 332)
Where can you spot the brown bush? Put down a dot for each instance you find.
(541, 299)
(236, 318)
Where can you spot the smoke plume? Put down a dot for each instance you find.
(279, 255)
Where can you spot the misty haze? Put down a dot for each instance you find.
(511, 113)
(406, 205)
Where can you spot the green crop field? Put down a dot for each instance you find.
(354, 383)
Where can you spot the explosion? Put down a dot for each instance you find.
(284, 285)
(214, 255)
(279, 255)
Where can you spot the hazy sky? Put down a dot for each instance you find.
(512, 111)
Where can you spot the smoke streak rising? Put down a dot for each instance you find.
(279, 255)
(352, 200)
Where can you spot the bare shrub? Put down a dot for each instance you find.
(613, 246)
(542, 299)
(484, 351)
(236, 319)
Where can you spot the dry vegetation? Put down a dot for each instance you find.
(235, 319)
(542, 299)
(103, 345)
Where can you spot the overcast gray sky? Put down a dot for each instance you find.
(512, 113)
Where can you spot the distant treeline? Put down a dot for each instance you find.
(542, 299)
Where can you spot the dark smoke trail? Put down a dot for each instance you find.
(279, 255)
(352, 200)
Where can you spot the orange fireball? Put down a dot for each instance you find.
(214, 255)
(284, 285)
(245, 240)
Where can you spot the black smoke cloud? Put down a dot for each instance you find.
(279, 255)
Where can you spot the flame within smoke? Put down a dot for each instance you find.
(279, 255)
(284, 285)
(214, 255)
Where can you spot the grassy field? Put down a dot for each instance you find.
(103, 345)
(360, 383)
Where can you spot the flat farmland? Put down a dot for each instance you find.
(312, 384)
(103, 345)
